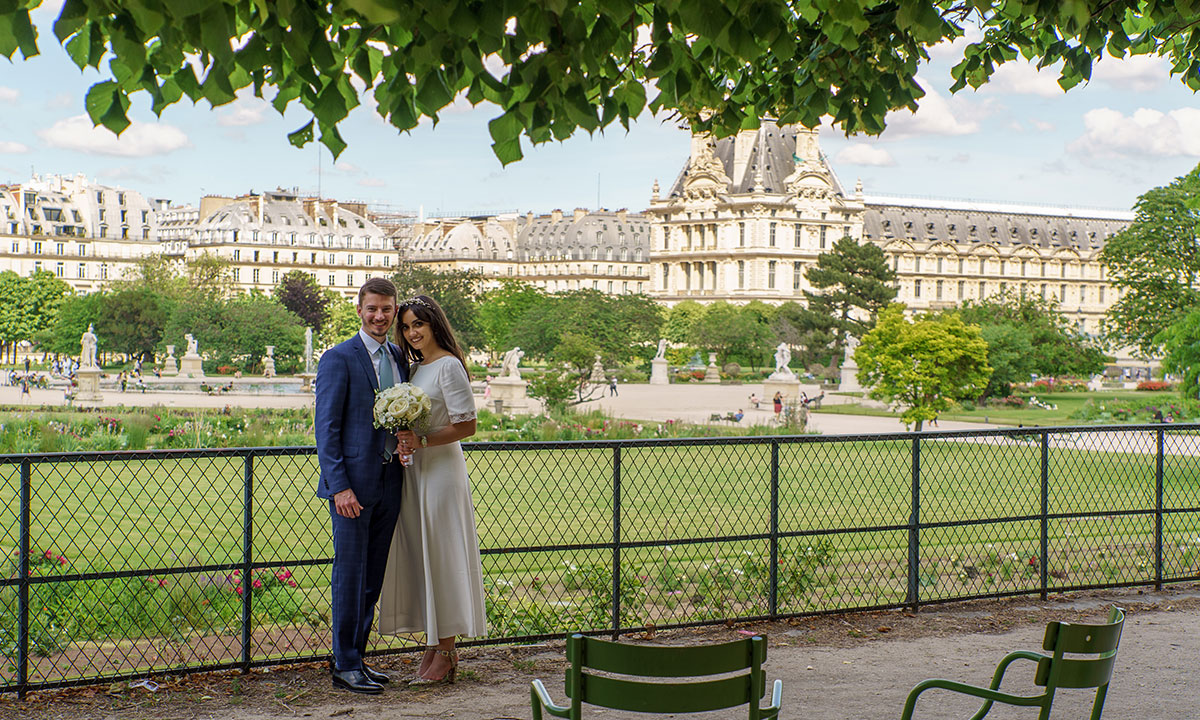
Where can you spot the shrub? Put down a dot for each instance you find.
(1155, 385)
(732, 369)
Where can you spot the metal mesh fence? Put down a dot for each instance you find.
(121, 564)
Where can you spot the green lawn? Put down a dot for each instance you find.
(1067, 403)
(170, 513)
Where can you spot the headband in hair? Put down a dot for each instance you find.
(416, 301)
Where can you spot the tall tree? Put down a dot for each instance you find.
(210, 275)
(132, 321)
(552, 68)
(457, 291)
(74, 316)
(853, 283)
(1181, 345)
(618, 326)
(1155, 264)
(500, 309)
(342, 320)
(299, 292)
(680, 319)
(1026, 336)
(922, 366)
(728, 329)
(41, 300)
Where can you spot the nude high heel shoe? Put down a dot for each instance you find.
(448, 676)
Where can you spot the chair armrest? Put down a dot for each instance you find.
(987, 694)
(539, 698)
(772, 711)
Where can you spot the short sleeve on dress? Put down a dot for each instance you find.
(456, 389)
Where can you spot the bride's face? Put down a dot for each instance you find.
(417, 332)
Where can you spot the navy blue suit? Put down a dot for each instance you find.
(351, 452)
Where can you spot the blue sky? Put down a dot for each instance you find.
(1019, 139)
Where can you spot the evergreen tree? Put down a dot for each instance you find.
(853, 283)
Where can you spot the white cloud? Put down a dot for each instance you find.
(61, 101)
(1020, 77)
(952, 50)
(372, 182)
(8, 94)
(346, 167)
(246, 110)
(13, 148)
(935, 115)
(864, 154)
(1147, 132)
(139, 139)
(1043, 125)
(1139, 73)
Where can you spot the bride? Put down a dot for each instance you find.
(434, 580)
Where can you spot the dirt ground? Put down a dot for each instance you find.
(859, 665)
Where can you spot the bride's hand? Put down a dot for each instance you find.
(407, 440)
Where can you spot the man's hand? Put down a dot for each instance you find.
(407, 441)
(346, 504)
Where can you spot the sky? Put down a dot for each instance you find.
(1019, 139)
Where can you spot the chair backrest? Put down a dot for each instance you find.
(1065, 669)
(633, 676)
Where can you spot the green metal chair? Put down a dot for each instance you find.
(631, 678)
(1054, 671)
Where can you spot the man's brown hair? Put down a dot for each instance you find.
(377, 286)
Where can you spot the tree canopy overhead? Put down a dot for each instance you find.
(555, 66)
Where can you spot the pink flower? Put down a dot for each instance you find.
(291, 583)
(62, 560)
(283, 574)
(48, 555)
(257, 583)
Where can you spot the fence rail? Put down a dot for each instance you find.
(122, 564)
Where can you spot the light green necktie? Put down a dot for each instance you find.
(386, 380)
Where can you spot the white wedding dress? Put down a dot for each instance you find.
(434, 580)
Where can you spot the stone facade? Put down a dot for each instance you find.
(264, 236)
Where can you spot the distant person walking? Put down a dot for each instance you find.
(777, 401)
(612, 386)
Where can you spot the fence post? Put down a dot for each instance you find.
(23, 583)
(247, 557)
(616, 557)
(773, 591)
(914, 521)
(1044, 548)
(1160, 440)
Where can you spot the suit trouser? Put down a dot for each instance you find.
(360, 552)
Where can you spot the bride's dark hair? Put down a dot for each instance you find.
(427, 309)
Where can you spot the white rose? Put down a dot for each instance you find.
(399, 407)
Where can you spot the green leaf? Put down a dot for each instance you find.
(432, 93)
(508, 151)
(99, 99)
(504, 129)
(332, 139)
(301, 136)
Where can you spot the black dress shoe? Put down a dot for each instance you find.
(355, 681)
(376, 676)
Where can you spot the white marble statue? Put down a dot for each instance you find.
(87, 348)
(192, 346)
(308, 350)
(662, 350)
(783, 356)
(508, 366)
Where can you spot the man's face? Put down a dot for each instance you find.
(377, 313)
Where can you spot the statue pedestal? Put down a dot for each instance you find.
(191, 366)
(89, 385)
(789, 387)
(597, 375)
(659, 372)
(306, 381)
(508, 393)
(712, 374)
(268, 367)
(169, 365)
(848, 382)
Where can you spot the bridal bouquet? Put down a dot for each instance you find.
(401, 407)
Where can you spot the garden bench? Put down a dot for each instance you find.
(620, 676)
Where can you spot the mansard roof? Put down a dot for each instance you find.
(773, 150)
(566, 235)
(1043, 229)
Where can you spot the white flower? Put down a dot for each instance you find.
(402, 406)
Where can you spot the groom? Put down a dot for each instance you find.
(360, 476)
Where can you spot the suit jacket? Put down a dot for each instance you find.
(349, 447)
